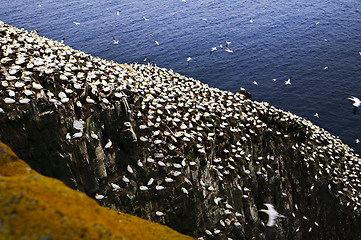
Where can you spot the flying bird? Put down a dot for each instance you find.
(189, 59)
(213, 49)
(76, 23)
(288, 82)
(204, 19)
(356, 103)
(117, 13)
(145, 19)
(227, 49)
(156, 42)
(115, 41)
(272, 214)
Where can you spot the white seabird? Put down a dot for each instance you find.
(99, 196)
(288, 82)
(115, 41)
(228, 50)
(272, 214)
(356, 103)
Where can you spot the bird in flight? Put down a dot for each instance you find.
(272, 214)
(226, 48)
(356, 103)
(288, 82)
(76, 23)
(145, 19)
(204, 19)
(213, 49)
(156, 42)
(115, 41)
(189, 59)
(117, 13)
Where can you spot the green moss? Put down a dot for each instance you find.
(36, 207)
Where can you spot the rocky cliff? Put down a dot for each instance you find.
(198, 159)
(36, 207)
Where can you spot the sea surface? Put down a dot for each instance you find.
(318, 43)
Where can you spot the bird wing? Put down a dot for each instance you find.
(269, 207)
(272, 214)
(271, 220)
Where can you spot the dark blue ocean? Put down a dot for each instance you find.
(318, 43)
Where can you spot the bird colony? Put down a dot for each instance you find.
(196, 143)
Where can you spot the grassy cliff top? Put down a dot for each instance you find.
(33, 206)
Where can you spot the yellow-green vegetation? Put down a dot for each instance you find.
(33, 206)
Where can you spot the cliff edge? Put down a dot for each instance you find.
(171, 149)
(36, 207)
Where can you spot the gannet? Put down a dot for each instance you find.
(272, 214)
(78, 134)
(145, 19)
(93, 135)
(159, 214)
(213, 49)
(356, 103)
(130, 170)
(251, 20)
(9, 100)
(24, 100)
(115, 187)
(185, 191)
(125, 179)
(99, 196)
(115, 41)
(189, 59)
(139, 163)
(228, 50)
(143, 188)
(204, 19)
(156, 42)
(109, 144)
(159, 187)
(76, 23)
(288, 82)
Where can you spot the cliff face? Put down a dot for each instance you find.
(192, 157)
(36, 207)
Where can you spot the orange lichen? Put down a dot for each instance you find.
(33, 206)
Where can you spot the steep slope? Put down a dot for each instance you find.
(36, 207)
(203, 159)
